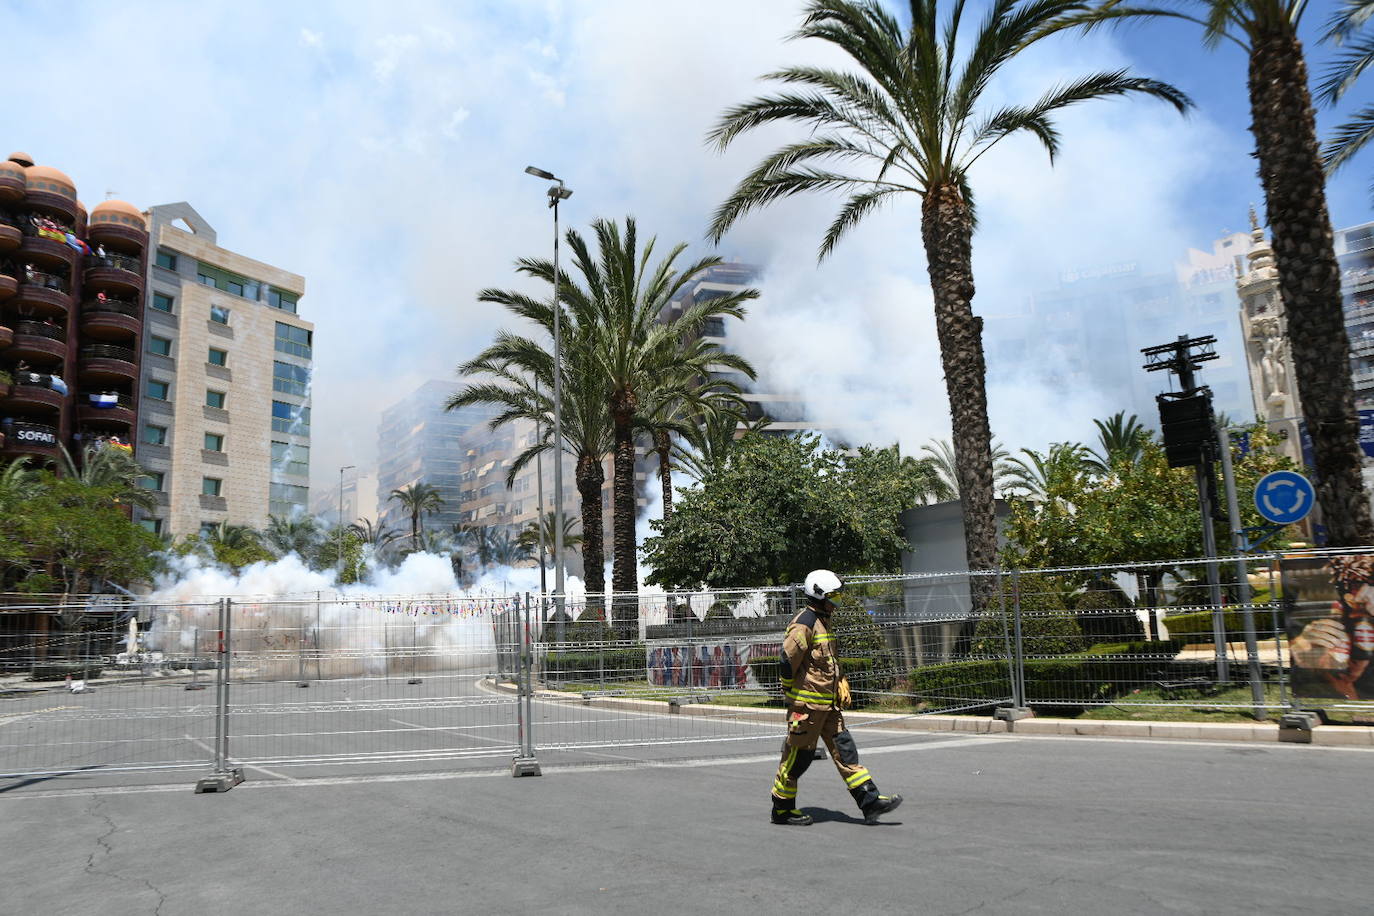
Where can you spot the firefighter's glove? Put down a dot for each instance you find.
(842, 692)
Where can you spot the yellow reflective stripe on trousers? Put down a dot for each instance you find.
(811, 695)
(857, 779)
(825, 637)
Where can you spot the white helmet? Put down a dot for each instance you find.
(821, 584)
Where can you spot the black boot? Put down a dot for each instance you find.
(791, 817)
(883, 805)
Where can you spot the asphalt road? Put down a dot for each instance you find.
(992, 824)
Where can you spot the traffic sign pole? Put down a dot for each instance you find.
(1238, 544)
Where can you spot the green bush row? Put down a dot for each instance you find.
(1196, 626)
(56, 671)
(614, 664)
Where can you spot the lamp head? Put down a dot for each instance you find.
(540, 173)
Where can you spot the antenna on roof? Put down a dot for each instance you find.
(110, 194)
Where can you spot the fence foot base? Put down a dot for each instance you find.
(415, 680)
(220, 782)
(524, 766)
(194, 687)
(1296, 727)
(1012, 713)
(302, 683)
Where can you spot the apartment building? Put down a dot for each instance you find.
(224, 412)
(71, 312)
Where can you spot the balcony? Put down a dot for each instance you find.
(44, 293)
(116, 235)
(110, 319)
(12, 183)
(31, 393)
(45, 251)
(52, 203)
(107, 362)
(10, 237)
(6, 336)
(115, 273)
(19, 438)
(36, 339)
(98, 409)
(9, 284)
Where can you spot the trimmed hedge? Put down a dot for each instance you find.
(1196, 626)
(614, 664)
(56, 671)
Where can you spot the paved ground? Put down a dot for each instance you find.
(992, 824)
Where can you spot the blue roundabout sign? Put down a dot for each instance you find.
(1284, 497)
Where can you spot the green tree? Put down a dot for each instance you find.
(1037, 475)
(914, 120)
(1292, 174)
(1119, 439)
(781, 507)
(641, 354)
(711, 442)
(530, 535)
(301, 535)
(940, 460)
(418, 500)
(109, 468)
(234, 546)
(18, 484)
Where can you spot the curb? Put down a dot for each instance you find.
(1267, 733)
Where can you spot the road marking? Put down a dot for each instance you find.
(210, 750)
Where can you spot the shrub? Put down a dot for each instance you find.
(1047, 626)
(1105, 613)
(1196, 626)
(56, 671)
(609, 664)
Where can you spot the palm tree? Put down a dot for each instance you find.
(300, 535)
(1040, 476)
(910, 122)
(112, 468)
(1292, 174)
(506, 550)
(530, 536)
(1347, 28)
(681, 407)
(417, 499)
(518, 374)
(641, 354)
(1120, 440)
(710, 444)
(940, 460)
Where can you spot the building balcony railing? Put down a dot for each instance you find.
(28, 438)
(115, 272)
(40, 329)
(11, 185)
(6, 336)
(104, 409)
(105, 362)
(10, 237)
(9, 283)
(104, 232)
(47, 247)
(52, 203)
(34, 277)
(36, 339)
(108, 351)
(112, 320)
(111, 304)
(33, 390)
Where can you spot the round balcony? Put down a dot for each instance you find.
(116, 273)
(10, 237)
(119, 225)
(43, 294)
(36, 340)
(20, 438)
(53, 203)
(12, 184)
(105, 411)
(6, 336)
(46, 252)
(111, 319)
(108, 363)
(29, 396)
(9, 284)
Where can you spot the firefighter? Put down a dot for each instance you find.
(816, 690)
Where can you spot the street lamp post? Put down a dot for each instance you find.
(347, 467)
(557, 194)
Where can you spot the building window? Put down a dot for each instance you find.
(166, 259)
(282, 300)
(293, 340)
(162, 302)
(219, 314)
(290, 418)
(151, 480)
(214, 399)
(162, 346)
(211, 486)
(289, 379)
(291, 459)
(218, 357)
(158, 391)
(151, 524)
(214, 442)
(154, 435)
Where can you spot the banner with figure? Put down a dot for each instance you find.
(706, 663)
(1329, 603)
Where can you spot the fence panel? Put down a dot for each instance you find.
(375, 681)
(94, 686)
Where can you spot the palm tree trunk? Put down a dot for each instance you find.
(947, 230)
(663, 444)
(624, 570)
(1309, 278)
(590, 476)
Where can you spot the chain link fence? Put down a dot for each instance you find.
(286, 684)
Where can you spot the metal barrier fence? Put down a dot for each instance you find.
(328, 681)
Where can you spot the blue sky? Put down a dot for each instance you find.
(378, 150)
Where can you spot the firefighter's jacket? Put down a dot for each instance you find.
(810, 670)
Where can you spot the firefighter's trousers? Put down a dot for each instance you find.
(804, 727)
